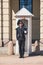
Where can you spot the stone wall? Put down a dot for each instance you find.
(41, 20)
(4, 20)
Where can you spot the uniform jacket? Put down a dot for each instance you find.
(20, 35)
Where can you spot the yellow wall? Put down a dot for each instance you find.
(37, 24)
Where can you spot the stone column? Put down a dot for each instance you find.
(10, 48)
(5, 20)
(37, 47)
(17, 46)
(29, 35)
(1, 21)
(41, 20)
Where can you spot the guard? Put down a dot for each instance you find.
(21, 30)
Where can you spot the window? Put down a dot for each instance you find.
(27, 4)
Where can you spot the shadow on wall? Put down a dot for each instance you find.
(15, 5)
(36, 21)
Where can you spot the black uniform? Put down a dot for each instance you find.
(21, 39)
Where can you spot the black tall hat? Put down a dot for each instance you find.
(19, 22)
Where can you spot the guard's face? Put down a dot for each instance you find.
(20, 24)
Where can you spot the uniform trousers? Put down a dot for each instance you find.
(21, 47)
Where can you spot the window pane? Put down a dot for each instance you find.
(27, 4)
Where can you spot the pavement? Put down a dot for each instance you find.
(15, 60)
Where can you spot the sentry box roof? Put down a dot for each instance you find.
(24, 12)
